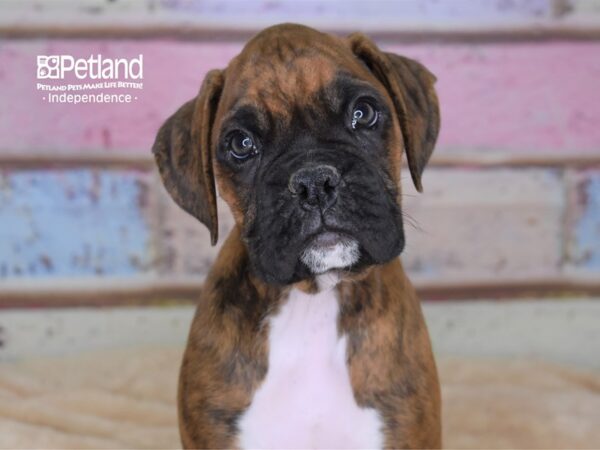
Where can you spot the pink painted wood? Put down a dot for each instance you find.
(521, 97)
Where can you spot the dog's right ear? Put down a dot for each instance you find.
(182, 150)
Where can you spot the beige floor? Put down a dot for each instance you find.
(117, 399)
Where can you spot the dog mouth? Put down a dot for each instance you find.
(327, 250)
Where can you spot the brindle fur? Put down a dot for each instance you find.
(389, 354)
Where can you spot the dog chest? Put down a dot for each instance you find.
(306, 399)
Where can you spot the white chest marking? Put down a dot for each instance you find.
(306, 399)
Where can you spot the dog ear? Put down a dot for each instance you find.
(410, 86)
(182, 150)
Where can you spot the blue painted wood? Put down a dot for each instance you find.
(69, 223)
(586, 231)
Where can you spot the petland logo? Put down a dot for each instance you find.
(97, 74)
(54, 67)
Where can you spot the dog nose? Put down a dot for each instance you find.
(315, 186)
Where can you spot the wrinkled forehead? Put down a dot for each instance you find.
(278, 73)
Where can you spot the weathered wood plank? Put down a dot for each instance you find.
(184, 243)
(508, 99)
(74, 223)
(29, 123)
(469, 224)
(468, 329)
(583, 240)
(485, 223)
(473, 224)
(422, 16)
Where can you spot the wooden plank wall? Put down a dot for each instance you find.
(512, 196)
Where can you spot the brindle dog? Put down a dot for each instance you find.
(308, 333)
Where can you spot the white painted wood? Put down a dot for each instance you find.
(561, 330)
(250, 15)
(61, 332)
(488, 224)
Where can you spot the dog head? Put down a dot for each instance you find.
(304, 133)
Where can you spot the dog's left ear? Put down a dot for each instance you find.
(410, 86)
(183, 153)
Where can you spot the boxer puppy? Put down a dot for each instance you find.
(308, 333)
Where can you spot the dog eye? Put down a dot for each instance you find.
(241, 146)
(364, 115)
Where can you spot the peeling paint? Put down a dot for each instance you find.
(585, 238)
(526, 98)
(484, 223)
(66, 223)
